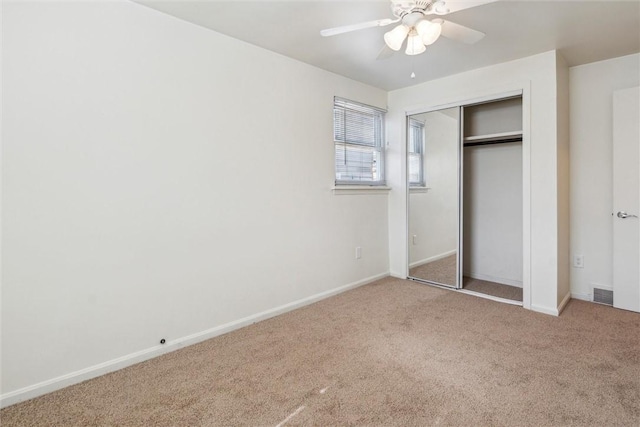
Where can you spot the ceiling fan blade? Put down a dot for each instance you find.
(451, 6)
(385, 53)
(354, 27)
(460, 33)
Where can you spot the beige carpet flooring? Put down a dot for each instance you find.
(491, 288)
(444, 271)
(441, 271)
(392, 353)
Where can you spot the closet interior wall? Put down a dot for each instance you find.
(492, 192)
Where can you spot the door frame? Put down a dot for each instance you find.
(518, 89)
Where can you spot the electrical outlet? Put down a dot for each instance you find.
(578, 261)
(358, 252)
(415, 239)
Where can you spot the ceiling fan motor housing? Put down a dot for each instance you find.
(402, 8)
(411, 19)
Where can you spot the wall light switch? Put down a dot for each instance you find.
(358, 252)
(415, 239)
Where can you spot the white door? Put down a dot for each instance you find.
(626, 199)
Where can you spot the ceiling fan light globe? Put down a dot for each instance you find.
(414, 45)
(395, 37)
(428, 31)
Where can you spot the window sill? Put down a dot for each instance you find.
(360, 189)
(419, 189)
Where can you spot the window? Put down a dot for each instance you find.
(416, 152)
(358, 131)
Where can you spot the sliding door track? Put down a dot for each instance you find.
(464, 291)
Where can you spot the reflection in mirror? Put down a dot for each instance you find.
(432, 162)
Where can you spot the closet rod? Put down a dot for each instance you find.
(491, 142)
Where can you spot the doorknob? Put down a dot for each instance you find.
(623, 215)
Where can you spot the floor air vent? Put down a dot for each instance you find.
(603, 296)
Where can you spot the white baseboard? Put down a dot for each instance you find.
(564, 302)
(433, 258)
(60, 382)
(501, 280)
(588, 296)
(553, 311)
(583, 297)
(397, 275)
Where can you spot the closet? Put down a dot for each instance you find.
(465, 204)
(492, 198)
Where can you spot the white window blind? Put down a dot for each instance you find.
(358, 132)
(416, 152)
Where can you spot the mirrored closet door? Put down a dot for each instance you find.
(433, 153)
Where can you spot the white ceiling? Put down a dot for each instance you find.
(582, 30)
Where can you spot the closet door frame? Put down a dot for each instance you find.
(519, 89)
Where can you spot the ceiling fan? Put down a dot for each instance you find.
(414, 26)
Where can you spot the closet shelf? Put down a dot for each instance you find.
(494, 137)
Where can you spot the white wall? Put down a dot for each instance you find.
(161, 180)
(537, 76)
(591, 105)
(432, 214)
(492, 236)
(564, 178)
(1, 177)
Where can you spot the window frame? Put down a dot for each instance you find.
(379, 131)
(414, 123)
